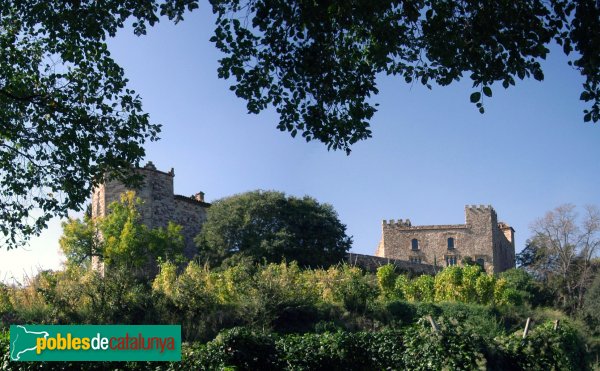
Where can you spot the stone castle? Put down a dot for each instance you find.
(482, 239)
(160, 204)
(416, 249)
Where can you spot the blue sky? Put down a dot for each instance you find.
(431, 153)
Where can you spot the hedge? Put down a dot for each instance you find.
(416, 347)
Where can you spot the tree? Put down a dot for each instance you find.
(272, 226)
(562, 250)
(120, 239)
(526, 288)
(67, 116)
(316, 62)
(80, 241)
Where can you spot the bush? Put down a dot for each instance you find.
(590, 312)
(243, 349)
(453, 347)
(545, 349)
(479, 319)
(327, 351)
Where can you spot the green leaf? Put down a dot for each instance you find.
(475, 97)
(487, 91)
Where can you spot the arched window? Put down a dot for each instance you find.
(450, 243)
(415, 244)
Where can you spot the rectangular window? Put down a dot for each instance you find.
(415, 259)
(450, 243)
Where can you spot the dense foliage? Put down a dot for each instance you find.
(316, 62)
(246, 315)
(68, 116)
(268, 225)
(125, 241)
(415, 347)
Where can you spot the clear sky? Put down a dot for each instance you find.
(431, 153)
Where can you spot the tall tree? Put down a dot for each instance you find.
(562, 252)
(272, 226)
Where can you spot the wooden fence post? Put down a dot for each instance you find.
(434, 325)
(526, 327)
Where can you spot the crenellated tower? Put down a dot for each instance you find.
(482, 239)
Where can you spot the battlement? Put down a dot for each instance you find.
(480, 209)
(398, 223)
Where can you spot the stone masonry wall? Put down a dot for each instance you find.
(480, 238)
(371, 263)
(191, 214)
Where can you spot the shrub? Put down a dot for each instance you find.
(453, 347)
(545, 349)
(386, 278)
(243, 349)
(327, 351)
(421, 288)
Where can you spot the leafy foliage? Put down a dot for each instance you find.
(452, 348)
(69, 118)
(545, 349)
(316, 62)
(590, 312)
(328, 351)
(469, 284)
(243, 349)
(125, 240)
(271, 226)
(284, 311)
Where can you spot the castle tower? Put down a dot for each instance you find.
(481, 220)
(156, 192)
(159, 204)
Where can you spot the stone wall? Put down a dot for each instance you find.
(191, 214)
(481, 238)
(371, 263)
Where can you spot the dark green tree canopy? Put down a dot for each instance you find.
(272, 226)
(316, 62)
